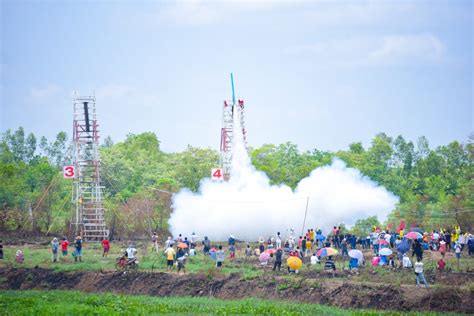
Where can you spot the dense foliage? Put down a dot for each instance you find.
(435, 186)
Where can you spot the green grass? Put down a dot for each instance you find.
(78, 303)
(151, 261)
(92, 260)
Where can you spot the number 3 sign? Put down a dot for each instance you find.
(216, 174)
(69, 172)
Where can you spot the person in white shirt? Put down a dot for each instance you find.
(314, 259)
(420, 276)
(278, 240)
(131, 251)
(406, 261)
(169, 243)
(193, 240)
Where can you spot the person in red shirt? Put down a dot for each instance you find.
(106, 247)
(64, 245)
(441, 264)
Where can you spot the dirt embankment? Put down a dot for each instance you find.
(324, 291)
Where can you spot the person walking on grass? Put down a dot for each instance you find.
(220, 256)
(55, 249)
(78, 253)
(419, 274)
(170, 253)
(181, 259)
(105, 247)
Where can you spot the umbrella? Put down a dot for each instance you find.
(264, 257)
(327, 251)
(403, 247)
(270, 251)
(355, 253)
(417, 229)
(385, 252)
(294, 263)
(182, 245)
(383, 242)
(414, 235)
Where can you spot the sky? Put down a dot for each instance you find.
(321, 74)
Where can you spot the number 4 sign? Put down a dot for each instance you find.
(216, 174)
(69, 172)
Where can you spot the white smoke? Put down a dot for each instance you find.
(247, 206)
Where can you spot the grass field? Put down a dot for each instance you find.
(78, 303)
(151, 261)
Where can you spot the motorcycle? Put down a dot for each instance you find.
(123, 263)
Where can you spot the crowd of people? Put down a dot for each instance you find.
(394, 250)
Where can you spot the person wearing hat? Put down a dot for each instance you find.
(54, 249)
(78, 245)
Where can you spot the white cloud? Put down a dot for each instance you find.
(417, 47)
(45, 92)
(399, 49)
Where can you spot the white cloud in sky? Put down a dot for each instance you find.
(416, 47)
(44, 92)
(419, 48)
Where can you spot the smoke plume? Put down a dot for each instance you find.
(247, 206)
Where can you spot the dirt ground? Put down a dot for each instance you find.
(310, 289)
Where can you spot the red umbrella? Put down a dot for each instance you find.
(182, 245)
(270, 251)
(383, 242)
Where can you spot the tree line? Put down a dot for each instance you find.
(435, 185)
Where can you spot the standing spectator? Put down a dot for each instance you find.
(417, 250)
(344, 248)
(154, 242)
(442, 247)
(470, 244)
(448, 240)
(220, 256)
(64, 245)
(1, 250)
(278, 240)
(207, 245)
(194, 239)
(170, 253)
(169, 242)
(457, 251)
(105, 247)
(78, 245)
(420, 276)
(303, 245)
(462, 240)
(54, 249)
(248, 251)
(181, 259)
(232, 251)
(278, 259)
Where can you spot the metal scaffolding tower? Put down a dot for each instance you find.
(227, 131)
(89, 218)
